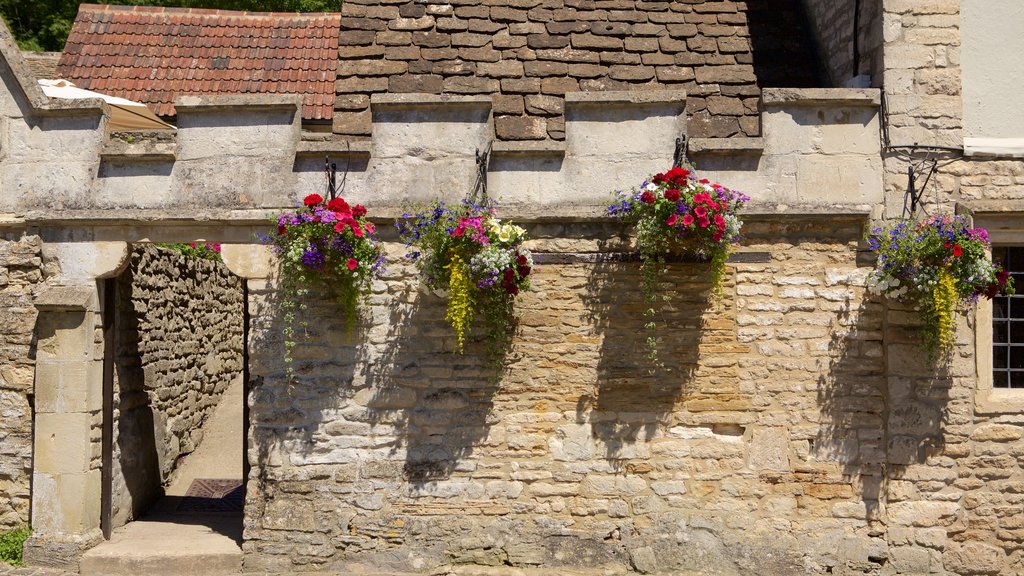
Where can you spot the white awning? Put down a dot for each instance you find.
(124, 114)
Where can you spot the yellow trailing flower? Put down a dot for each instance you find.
(944, 298)
(460, 299)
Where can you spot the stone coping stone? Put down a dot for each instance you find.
(861, 97)
(222, 102)
(333, 148)
(64, 298)
(384, 213)
(626, 98)
(726, 146)
(416, 100)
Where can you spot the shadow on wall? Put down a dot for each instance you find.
(439, 403)
(636, 398)
(878, 418)
(782, 58)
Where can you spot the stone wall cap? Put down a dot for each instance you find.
(417, 99)
(141, 150)
(726, 145)
(869, 97)
(64, 298)
(220, 102)
(624, 97)
(528, 148)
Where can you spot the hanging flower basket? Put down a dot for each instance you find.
(328, 245)
(676, 212)
(465, 251)
(942, 266)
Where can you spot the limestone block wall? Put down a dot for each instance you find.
(20, 274)
(757, 447)
(179, 346)
(530, 54)
(836, 25)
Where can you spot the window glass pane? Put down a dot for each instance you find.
(1017, 357)
(999, 379)
(1016, 379)
(1016, 307)
(1015, 259)
(999, 357)
(1017, 331)
(1000, 331)
(999, 307)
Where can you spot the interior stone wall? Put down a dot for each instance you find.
(21, 272)
(179, 347)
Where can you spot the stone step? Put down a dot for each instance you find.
(168, 547)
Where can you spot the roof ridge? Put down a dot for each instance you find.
(201, 11)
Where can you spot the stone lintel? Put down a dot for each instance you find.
(602, 257)
(57, 298)
(726, 146)
(860, 97)
(626, 98)
(238, 102)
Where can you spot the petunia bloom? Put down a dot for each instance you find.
(313, 200)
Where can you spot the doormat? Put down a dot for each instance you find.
(210, 496)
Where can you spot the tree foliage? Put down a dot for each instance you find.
(45, 24)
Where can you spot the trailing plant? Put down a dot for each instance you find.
(204, 250)
(465, 251)
(328, 245)
(942, 266)
(11, 544)
(675, 212)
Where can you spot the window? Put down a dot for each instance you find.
(1008, 324)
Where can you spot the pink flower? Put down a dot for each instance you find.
(352, 264)
(687, 220)
(719, 220)
(671, 221)
(700, 211)
(717, 236)
(703, 222)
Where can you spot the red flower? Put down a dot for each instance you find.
(1002, 276)
(703, 222)
(647, 197)
(352, 264)
(356, 229)
(340, 226)
(677, 174)
(459, 230)
(658, 178)
(338, 205)
(521, 260)
(700, 211)
(671, 221)
(512, 289)
(672, 195)
(719, 220)
(359, 211)
(313, 200)
(510, 275)
(523, 271)
(714, 205)
(957, 250)
(705, 181)
(370, 228)
(687, 220)
(717, 236)
(281, 229)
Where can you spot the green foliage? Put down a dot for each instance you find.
(204, 251)
(44, 24)
(11, 542)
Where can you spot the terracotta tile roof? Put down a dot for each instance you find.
(152, 54)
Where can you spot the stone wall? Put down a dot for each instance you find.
(529, 54)
(756, 448)
(179, 347)
(20, 273)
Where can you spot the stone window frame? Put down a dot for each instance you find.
(1005, 229)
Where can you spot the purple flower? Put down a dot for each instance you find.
(312, 258)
